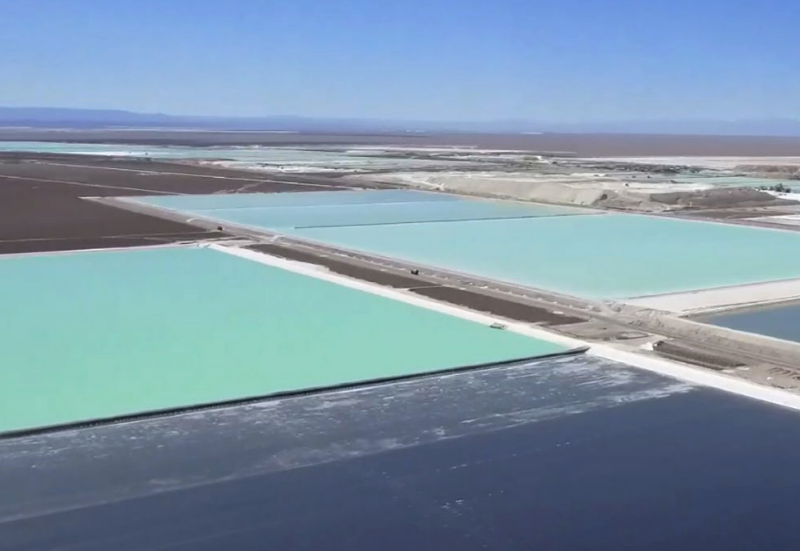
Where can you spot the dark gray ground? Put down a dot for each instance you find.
(438, 291)
(41, 205)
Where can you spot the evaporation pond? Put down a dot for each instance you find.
(348, 208)
(780, 322)
(609, 256)
(95, 335)
(566, 250)
(218, 201)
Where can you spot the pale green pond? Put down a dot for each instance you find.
(566, 250)
(95, 335)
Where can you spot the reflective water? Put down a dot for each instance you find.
(574, 454)
(780, 322)
(608, 257)
(103, 334)
(600, 256)
(348, 208)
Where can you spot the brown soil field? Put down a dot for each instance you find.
(42, 206)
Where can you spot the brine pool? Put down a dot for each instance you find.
(573, 251)
(99, 335)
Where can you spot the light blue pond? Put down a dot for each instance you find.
(609, 256)
(347, 208)
(599, 256)
(375, 214)
(197, 203)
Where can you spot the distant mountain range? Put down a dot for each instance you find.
(38, 117)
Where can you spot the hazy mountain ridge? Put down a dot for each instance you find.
(49, 117)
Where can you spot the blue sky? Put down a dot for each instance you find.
(553, 60)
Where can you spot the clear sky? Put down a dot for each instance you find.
(547, 60)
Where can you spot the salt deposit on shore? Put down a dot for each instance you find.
(725, 297)
(718, 163)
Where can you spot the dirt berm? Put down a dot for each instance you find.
(584, 195)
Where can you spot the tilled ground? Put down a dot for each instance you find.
(42, 205)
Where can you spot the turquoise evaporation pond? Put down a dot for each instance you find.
(347, 208)
(598, 256)
(96, 335)
(609, 256)
(199, 203)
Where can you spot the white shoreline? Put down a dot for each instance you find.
(174, 245)
(721, 298)
(715, 162)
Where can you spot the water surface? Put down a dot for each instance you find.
(103, 334)
(610, 256)
(597, 256)
(780, 322)
(575, 454)
(349, 208)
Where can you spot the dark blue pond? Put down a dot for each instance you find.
(780, 322)
(573, 454)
